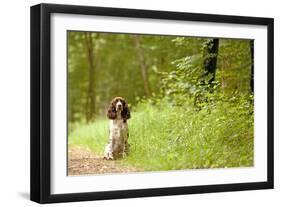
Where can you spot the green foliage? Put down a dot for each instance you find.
(181, 137)
(117, 68)
(168, 137)
(234, 66)
(189, 79)
(184, 80)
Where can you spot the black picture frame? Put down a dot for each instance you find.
(41, 99)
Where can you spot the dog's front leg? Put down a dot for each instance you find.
(124, 152)
(125, 145)
(108, 152)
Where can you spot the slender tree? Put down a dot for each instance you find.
(90, 102)
(210, 58)
(143, 66)
(210, 54)
(252, 65)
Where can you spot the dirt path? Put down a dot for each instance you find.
(82, 161)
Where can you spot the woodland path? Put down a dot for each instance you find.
(81, 161)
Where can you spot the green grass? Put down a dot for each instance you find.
(93, 136)
(165, 137)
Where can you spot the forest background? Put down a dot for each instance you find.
(191, 99)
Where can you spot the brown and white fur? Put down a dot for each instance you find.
(118, 113)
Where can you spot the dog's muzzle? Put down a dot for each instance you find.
(119, 106)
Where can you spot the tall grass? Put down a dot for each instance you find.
(93, 136)
(167, 137)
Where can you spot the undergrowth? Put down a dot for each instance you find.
(164, 136)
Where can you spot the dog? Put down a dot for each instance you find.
(118, 112)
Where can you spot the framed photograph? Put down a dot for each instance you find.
(133, 103)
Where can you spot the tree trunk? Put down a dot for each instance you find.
(90, 102)
(143, 66)
(210, 60)
(252, 65)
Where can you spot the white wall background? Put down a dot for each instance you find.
(14, 101)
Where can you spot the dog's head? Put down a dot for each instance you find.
(118, 105)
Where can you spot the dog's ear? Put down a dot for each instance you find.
(126, 112)
(111, 111)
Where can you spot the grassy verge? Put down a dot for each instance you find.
(165, 137)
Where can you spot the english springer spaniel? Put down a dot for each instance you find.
(118, 113)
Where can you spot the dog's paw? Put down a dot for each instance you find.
(108, 157)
